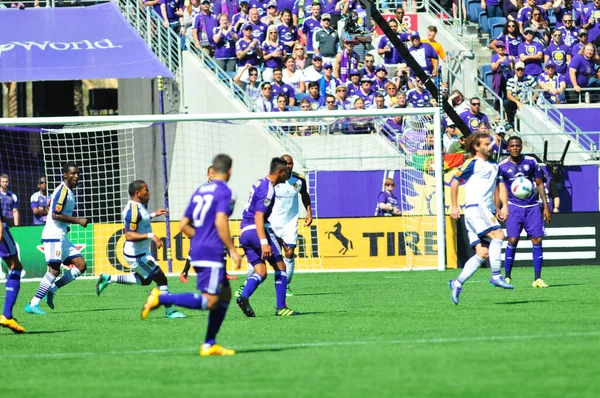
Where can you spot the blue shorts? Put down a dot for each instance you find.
(8, 247)
(528, 218)
(252, 247)
(211, 280)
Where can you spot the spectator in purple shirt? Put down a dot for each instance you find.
(365, 92)
(531, 54)
(279, 87)
(557, 53)
(582, 68)
(288, 33)
(386, 49)
(225, 38)
(273, 53)
(511, 38)
(582, 38)
(247, 49)
(241, 17)
(259, 29)
(309, 26)
(553, 84)
(473, 117)
(203, 27)
(424, 54)
(387, 203)
(564, 9)
(569, 31)
(524, 14)
(502, 70)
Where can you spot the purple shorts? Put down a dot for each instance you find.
(251, 245)
(529, 218)
(211, 280)
(8, 247)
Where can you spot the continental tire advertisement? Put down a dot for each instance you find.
(328, 244)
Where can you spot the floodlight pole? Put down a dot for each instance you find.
(163, 143)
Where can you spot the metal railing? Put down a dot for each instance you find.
(452, 25)
(490, 95)
(555, 116)
(408, 5)
(455, 71)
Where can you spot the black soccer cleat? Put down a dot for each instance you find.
(244, 304)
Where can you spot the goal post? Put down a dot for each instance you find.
(344, 157)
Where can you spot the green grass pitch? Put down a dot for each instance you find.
(389, 334)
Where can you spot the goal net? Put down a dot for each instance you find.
(345, 160)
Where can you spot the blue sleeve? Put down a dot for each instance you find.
(382, 198)
(262, 200)
(465, 171)
(223, 202)
(132, 218)
(189, 211)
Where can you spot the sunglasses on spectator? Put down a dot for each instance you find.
(368, 62)
(299, 49)
(567, 20)
(389, 185)
(326, 19)
(253, 74)
(476, 103)
(328, 67)
(512, 26)
(330, 102)
(317, 60)
(519, 69)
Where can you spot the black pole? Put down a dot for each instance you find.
(21, 99)
(413, 65)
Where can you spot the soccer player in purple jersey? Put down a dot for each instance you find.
(524, 213)
(206, 222)
(259, 241)
(8, 252)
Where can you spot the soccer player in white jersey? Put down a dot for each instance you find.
(138, 235)
(284, 217)
(57, 247)
(482, 184)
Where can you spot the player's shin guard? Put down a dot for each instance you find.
(45, 285)
(509, 259)
(13, 284)
(280, 285)
(215, 320)
(471, 266)
(252, 284)
(495, 256)
(289, 268)
(67, 278)
(538, 261)
(194, 301)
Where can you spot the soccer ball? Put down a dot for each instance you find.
(521, 188)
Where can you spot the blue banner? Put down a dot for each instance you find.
(73, 44)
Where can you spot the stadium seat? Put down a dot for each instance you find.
(483, 22)
(486, 75)
(473, 10)
(300, 96)
(494, 22)
(231, 74)
(495, 31)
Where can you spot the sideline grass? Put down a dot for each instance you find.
(364, 334)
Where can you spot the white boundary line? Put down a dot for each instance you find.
(267, 347)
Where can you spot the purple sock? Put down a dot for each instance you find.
(252, 284)
(538, 261)
(509, 259)
(280, 285)
(13, 284)
(187, 300)
(215, 320)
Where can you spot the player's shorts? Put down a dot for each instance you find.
(142, 264)
(529, 218)
(479, 222)
(211, 280)
(60, 251)
(288, 233)
(8, 247)
(251, 245)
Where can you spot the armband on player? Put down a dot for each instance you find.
(150, 235)
(153, 214)
(264, 242)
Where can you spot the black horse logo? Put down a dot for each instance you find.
(337, 233)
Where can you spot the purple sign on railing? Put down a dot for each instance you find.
(73, 44)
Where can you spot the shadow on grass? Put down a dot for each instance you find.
(567, 284)
(522, 302)
(49, 331)
(98, 310)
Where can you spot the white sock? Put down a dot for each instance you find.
(495, 256)
(289, 268)
(471, 266)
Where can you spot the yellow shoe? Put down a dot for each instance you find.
(11, 324)
(539, 283)
(215, 349)
(151, 303)
(507, 280)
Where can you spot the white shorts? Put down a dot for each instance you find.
(143, 264)
(479, 222)
(60, 251)
(288, 233)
